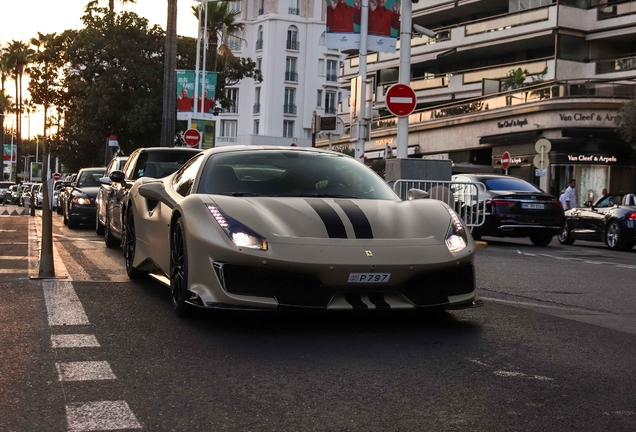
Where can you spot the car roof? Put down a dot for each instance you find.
(169, 149)
(481, 177)
(235, 148)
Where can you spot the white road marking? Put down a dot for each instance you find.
(74, 341)
(13, 257)
(101, 415)
(85, 371)
(62, 304)
(583, 260)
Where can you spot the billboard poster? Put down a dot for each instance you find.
(207, 128)
(36, 171)
(343, 24)
(8, 155)
(185, 95)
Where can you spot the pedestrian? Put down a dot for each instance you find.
(562, 198)
(570, 196)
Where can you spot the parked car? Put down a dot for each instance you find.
(81, 199)
(14, 195)
(56, 188)
(611, 219)
(4, 189)
(281, 228)
(62, 195)
(37, 195)
(154, 162)
(515, 208)
(26, 193)
(116, 164)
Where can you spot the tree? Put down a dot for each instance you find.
(516, 78)
(626, 121)
(5, 100)
(169, 108)
(111, 4)
(231, 71)
(221, 23)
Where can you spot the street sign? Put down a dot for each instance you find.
(541, 172)
(543, 145)
(57, 176)
(192, 137)
(505, 160)
(537, 161)
(400, 100)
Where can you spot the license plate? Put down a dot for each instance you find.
(532, 206)
(369, 277)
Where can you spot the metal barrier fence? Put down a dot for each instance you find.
(467, 199)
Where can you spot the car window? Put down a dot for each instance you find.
(130, 165)
(122, 163)
(510, 184)
(111, 167)
(157, 164)
(609, 201)
(285, 173)
(90, 178)
(184, 179)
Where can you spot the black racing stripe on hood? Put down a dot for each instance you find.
(333, 223)
(378, 300)
(355, 301)
(361, 225)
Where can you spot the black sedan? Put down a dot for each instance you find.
(80, 204)
(611, 219)
(514, 208)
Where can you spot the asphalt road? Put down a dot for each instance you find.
(552, 349)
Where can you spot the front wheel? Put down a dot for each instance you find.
(179, 270)
(541, 239)
(565, 237)
(614, 238)
(108, 236)
(130, 247)
(99, 227)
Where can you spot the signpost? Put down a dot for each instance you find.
(192, 137)
(400, 100)
(541, 161)
(505, 161)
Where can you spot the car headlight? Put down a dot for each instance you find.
(241, 235)
(456, 237)
(81, 201)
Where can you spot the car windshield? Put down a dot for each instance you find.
(5, 185)
(159, 164)
(510, 184)
(609, 201)
(284, 173)
(90, 178)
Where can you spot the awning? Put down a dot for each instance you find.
(511, 138)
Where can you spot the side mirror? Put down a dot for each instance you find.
(414, 194)
(156, 191)
(117, 177)
(588, 204)
(105, 181)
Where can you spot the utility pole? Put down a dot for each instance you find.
(362, 124)
(406, 28)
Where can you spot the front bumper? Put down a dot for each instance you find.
(82, 213)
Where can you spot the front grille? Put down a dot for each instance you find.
(436, 287)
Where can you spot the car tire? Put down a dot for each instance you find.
(72, 223)
(179, 270)
(129, 243)
(614, 238)
(565, 238)
(110, 241)
(541, 239)
(99, 227)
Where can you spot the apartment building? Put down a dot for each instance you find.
(579, 61)
(286, 39)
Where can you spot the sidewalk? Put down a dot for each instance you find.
(13, 210)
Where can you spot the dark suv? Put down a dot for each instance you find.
(80, 200)
(153, 162)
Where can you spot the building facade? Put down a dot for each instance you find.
(501, 74)
(286, 39)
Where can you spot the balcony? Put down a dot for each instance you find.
(293, 45)
(261, 11)
(533, 68)
(606, 12)
(293, 11)
(331, 110)
(226, 139)
(259, 44)
(257, 108)
(232, 109)
(507, 21)
(289, 109)
(332, 77)
(291, 76)
(616, 65)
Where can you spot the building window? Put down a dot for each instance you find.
(229, 128)
(233, 42)
(332, 70)
(288, 129)
(234, 6)
(259, 63)
(322, 40)
(233, 96)
(291, 74)
(261, 7)
(292, 38)
(319, 101)
(330, 102)
(290, 101)
(257, 100)
(257, 124)
(259, 38)
(293, 7)
(321, 66)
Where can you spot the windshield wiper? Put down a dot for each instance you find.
(318, 195)
(240, 194)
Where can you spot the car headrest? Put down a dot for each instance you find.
(629, 200)
(150, 170)
(223, 179)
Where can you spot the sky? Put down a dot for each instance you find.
(23, 19)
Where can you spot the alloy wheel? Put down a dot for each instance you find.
(179, 270)
(613, 235)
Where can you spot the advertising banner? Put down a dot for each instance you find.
(36, 171)
(207, 129)
(343, 24)
(8, 155)
(185, 95)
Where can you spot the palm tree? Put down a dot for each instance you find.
(169, 115)
(19, 55)
(5, 71)
(111, 4)
(222, 22)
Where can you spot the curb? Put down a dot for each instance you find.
(481, 245)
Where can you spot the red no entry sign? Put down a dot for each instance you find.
(56, 176)
(192, 137)
(505, 160)
(400, 100)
